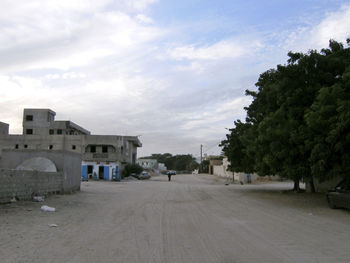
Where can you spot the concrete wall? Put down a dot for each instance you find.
(4, 128)
(323, 187)
(67, 163)
(42, 119)
(38, 142)
(220, 170)
(22, 185)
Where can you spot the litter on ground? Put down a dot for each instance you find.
(48, 209)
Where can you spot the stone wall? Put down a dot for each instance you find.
(23, 185)
(67, 163)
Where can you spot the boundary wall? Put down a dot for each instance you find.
(23, 185)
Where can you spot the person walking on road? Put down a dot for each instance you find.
(169, 176)
(170, 173)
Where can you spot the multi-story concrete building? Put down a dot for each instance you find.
(104, 156)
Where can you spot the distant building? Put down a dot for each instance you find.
(162, 167)
(4, 128)
(103, 156)
(148, 163)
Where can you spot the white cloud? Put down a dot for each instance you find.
(140, 4)
(214, 114)
(336, 25)
(144, 19)
(225, 49)
(61, 35)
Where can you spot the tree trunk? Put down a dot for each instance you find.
(296, 187)
(312, 185)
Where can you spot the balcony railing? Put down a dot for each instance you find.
(100, 155)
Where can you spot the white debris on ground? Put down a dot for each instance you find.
(53, 225)
(47, 208)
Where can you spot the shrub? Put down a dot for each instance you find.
(131, 168)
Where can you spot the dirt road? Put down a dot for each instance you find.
(190, 219)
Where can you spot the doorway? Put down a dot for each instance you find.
(90, 170)
(101, 170)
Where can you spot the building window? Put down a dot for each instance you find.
(50, 147)
(104, 148)
(121, 150)
(16, 146)
(59, 131)
(51, 131)
(73, 147)
(93, 148)
(29, 117)
(29, 131)
(25, 146)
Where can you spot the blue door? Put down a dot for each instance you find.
(84, 172)
(117, 173)
(106, 173)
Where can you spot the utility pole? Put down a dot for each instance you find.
(200, 165)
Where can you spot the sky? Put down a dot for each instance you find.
(173, 73)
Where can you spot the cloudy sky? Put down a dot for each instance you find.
(173, 72)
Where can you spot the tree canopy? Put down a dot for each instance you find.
(182, 162)
(298, 123)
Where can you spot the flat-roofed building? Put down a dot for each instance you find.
(103, 156)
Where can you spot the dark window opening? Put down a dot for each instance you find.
(29, 131)
(50, 147)
(93, 149)
(51, 131)
(59, 131)
(29, 117)
(16, 147)
(73, 147)
(104, 148)
(26, 146)
(121, 149)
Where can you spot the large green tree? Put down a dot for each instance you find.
(297, 125)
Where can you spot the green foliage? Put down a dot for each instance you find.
(131, 168)
(177, 162)
(204, 167)
(193, 165)
(298, 123)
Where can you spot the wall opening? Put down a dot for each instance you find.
(90, 169)
(93, 148)
(101, 170)
(104, 148)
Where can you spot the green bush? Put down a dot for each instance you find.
(131, 168)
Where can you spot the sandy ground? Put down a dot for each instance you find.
(193, 218)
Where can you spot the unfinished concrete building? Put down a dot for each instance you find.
(103, 156)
